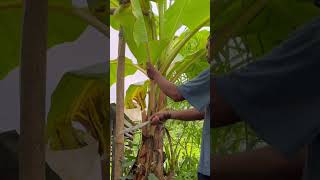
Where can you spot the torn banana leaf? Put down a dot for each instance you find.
(81, 96)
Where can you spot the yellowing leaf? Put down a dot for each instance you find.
(136, 94)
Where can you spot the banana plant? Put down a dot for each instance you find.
(65, 23)
(151, 37)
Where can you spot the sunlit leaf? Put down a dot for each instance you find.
(196, 12)
(136, 94)
(130, 69)
(126, 18)
(185, 12)
(140, 33)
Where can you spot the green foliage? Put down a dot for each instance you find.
(62, 27)
(185, 12)
(261, 24)
(186, 142)
(234, 138)
(114, 3)
(264, 34)
(126, 18)
(243, 31)
(130, 154)
(81, 96)
(185, 136)
(153, 37)
(138, 29)
(130, 69)
(140, 33)
(194, 53)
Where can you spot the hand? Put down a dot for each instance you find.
(159, 117)
(151, 71)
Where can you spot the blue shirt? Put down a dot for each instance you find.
(197, 93)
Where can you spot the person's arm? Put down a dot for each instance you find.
(187, 115)
(184, 115)
(167, 87)
(222, 113)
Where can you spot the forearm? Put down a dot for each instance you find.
(168, 88)
(187, 115)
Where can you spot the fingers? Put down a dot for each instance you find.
(150, 70)
(159, 118)
(149, 66)
(155, 120)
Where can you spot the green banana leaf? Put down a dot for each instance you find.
(185, 12)
(193, 61)
(130, 69)
(261, 24)
(174, 18)
(63, 26)
(140, 32)
(194, 57)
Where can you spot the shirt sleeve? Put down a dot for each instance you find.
(197, 90)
